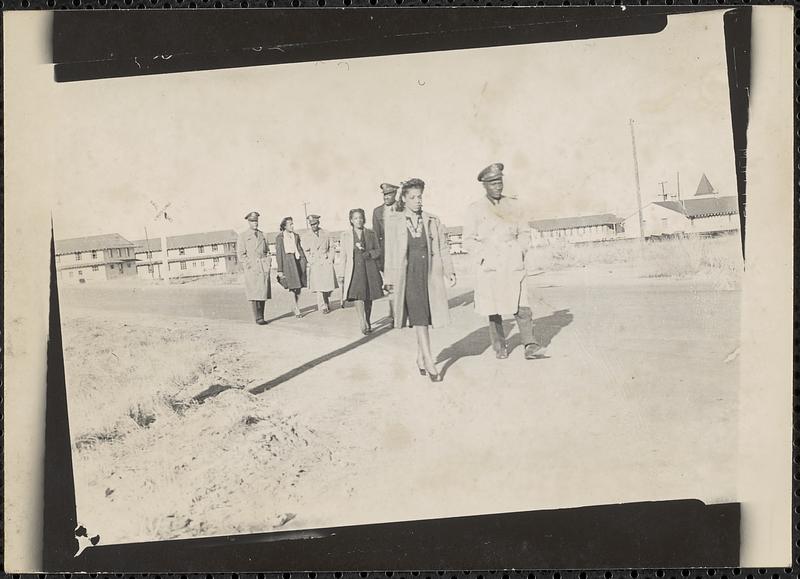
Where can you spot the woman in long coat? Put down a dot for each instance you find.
(417, 263)
(291, 261)
(362, 281)
(253, 253)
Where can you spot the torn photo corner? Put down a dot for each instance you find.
(453, 289)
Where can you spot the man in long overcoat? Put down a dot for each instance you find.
(497, 237)
(253, 252)
(379, 216)
(319, 251)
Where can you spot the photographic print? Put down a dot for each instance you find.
(398, 288)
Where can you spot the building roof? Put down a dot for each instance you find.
(706, 207)
(676, 206)
(571, 222)
(704, 187)
(189, 240)
(91, 243)
(455, 230)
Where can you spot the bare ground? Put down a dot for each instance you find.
(189, 420)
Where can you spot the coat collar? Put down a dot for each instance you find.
(504, 199)
(424, 214)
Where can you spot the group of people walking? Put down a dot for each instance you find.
(406, 254)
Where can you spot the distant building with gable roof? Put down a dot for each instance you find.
(706, 213)
(585, 228)
(191, 255)
(95, 258)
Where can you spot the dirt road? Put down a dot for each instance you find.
(635, 400)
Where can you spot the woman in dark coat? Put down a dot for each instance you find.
(291, 261)
(362, 280)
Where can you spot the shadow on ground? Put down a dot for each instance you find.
(380, 328)
(473, 344)
(477, 342)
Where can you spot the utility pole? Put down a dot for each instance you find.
(663, 193)
(149, 254)
(680, 200)
(638, 191)
(163, 217)
(305, 209)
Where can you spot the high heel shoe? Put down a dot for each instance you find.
(435, 377)
(422, 371)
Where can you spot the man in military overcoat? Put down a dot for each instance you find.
(253, 252)
(319, 250)
(497, 237)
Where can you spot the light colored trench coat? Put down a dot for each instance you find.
(497, 238)
(440, 266)
(253, 252)
(319, 255)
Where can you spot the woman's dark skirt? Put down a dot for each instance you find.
(417, 303)
(365, 284)
(295, 272)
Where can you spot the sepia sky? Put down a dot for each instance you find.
(219, 144)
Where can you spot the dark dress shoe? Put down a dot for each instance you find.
(532, 351)
(261, 322)
(502, 353)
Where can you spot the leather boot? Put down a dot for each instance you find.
(498, 336)
(260, 313)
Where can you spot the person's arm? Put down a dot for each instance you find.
(325, 248)
(241, 250)
(299, 244)
(377, 227)
(279, 253)
(391, 255)
(372, 245)
(472, 244)
(305, 247)
(346, 253)
(444, 251)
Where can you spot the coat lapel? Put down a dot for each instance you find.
(429, 234)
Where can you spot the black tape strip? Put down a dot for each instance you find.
(117, 44)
